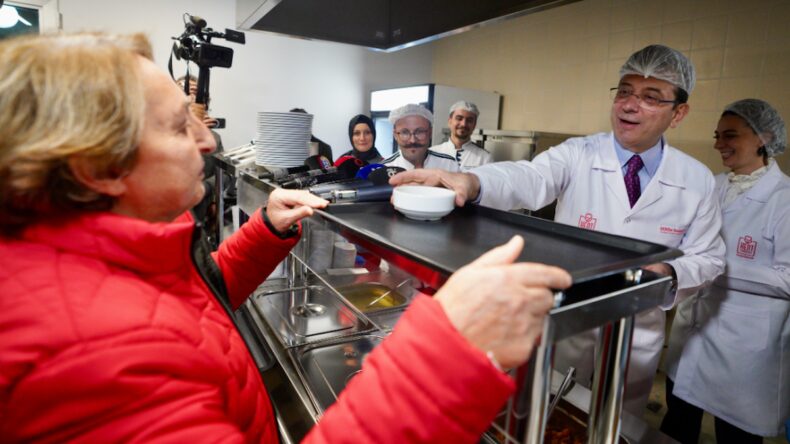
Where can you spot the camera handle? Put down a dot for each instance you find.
(202, 85)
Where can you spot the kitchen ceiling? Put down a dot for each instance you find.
(386, 25)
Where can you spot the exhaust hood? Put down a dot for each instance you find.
(385, 25)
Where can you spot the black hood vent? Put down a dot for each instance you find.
(386, 25)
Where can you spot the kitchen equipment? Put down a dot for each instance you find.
(379, 24)
(387, 295)
(423, 203)
(304, 315)
(326, 368)
(565, 386)
(607, 293)
(282, 138)
(471, 230)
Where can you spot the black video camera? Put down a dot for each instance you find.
(194, 44)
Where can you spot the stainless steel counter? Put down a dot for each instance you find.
(319, 338)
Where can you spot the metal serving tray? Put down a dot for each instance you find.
(326, 368)
(309, 314)
(441, 247)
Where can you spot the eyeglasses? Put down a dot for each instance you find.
(648, 100)
(419, 134)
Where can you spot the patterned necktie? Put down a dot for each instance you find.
(458, 155)
(632, 185)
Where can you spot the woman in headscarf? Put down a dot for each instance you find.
(362, 134)
(729, 352)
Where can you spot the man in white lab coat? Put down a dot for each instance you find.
(629, 182)
(412, 130)
(462, 123)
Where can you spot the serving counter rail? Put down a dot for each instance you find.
(319, 333)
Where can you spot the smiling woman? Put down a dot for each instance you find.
(734, 333)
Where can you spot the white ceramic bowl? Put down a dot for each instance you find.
(423, 203)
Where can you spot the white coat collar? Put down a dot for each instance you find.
(606, 160)
(762, 190)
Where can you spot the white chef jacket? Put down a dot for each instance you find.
(729, 350)
(471, 154)
(433, 160)
(677, 209)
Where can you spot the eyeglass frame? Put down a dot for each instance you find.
(424, 131)
(641, 99)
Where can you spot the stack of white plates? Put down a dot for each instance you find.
(283, 139)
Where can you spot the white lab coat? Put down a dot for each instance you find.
(472, 155)
(676, 209)
(729, 349)
(432, 160)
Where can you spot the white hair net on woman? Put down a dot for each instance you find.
(765, 121)
(410, 110)
(663, 63)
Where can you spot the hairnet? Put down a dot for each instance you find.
(765, 121)
(663, 63)
(410, 110)
(466, 106)
(356, 120)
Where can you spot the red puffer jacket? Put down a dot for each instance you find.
(109, 333)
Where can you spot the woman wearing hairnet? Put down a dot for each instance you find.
(362, 134)
(729, 350)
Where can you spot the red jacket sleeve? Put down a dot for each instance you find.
(249, 256)
(424, 383)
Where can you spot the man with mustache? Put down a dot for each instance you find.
(629, 182)
(462, 123)
(412, 125)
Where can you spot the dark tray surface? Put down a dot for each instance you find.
(466, 233)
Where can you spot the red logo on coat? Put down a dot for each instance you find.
(747, 247)
(672, 230)
(587, 221)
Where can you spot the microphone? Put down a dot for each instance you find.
(318, 162)
(325, 190)
(313, 165)
(367, 169)
(380, 191)
(279, 173)
(376, 193)
(345, 170)
(199, 22)
(342, 159)
(382, 176)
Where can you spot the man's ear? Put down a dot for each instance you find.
(680, 112)
(86, 173)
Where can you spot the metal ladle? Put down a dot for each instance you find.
(387, 292)
(565, 386)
